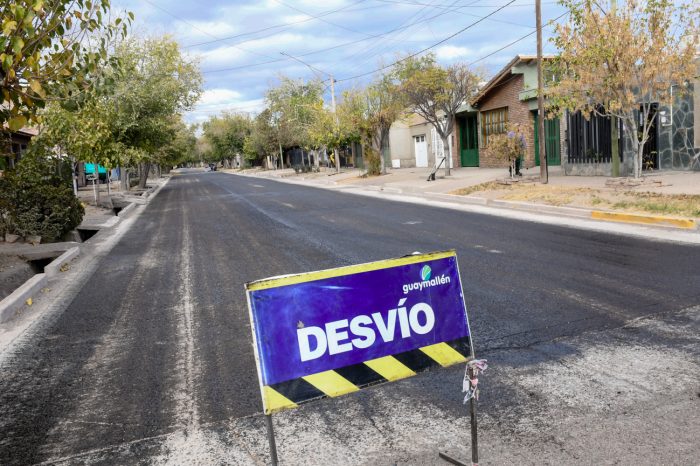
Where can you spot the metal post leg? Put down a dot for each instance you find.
(475, 443)
(271, 439)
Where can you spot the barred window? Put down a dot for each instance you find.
(493, 122)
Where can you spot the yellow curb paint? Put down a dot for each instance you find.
(443, 354)
(275, 401)
(331, 383)
(390, 368)
(645, 219)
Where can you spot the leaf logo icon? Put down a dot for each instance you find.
(425, 273)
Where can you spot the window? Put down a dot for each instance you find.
(493, 122)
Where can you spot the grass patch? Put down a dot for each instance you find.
(681, 205)
(490, 186)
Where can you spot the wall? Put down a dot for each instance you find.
(506, 95)
(679, 143)
(401, 144)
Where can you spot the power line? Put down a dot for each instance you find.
(517, 40)
(430, 47)
(276, 26)
(397, 2)
(420, 18)
(326, 49)
(199, 29)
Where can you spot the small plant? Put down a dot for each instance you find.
(373, 161)
(509, 146)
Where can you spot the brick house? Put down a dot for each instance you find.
(510, 97)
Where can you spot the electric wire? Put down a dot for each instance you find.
(431, 46)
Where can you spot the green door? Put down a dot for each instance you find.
(552, 142)
(469, 142)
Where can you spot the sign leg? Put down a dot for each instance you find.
(271, 439)
(475, 443)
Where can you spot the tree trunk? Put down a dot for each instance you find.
(96, 183)
(614, 136)
(144, 168)
(337, 159)
(446, 154)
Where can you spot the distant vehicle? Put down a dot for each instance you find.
(212, 167)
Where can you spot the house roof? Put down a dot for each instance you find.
(505, 72)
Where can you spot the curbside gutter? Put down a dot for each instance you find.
(54, 267)
(18, 298)
(16, 301)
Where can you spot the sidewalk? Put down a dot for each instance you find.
(663, 199)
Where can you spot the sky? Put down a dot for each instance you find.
(243, 47)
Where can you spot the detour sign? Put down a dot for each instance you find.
(335, 331)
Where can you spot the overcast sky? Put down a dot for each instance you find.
(239, 43)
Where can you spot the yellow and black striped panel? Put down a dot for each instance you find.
(350, 379)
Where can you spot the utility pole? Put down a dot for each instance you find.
(544, 172)
(335, 117)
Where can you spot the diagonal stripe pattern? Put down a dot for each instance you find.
(291, 393)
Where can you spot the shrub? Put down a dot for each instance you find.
(373, 161)
(508, 146)
(35, 200)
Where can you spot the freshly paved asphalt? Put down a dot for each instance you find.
(158, 339)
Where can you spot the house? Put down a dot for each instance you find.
(509, 98)
(414, 142)
(13, 144)
(673, 144)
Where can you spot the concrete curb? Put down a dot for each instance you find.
(18, 298)
(54, 267)
(654, 220)
(126, 209)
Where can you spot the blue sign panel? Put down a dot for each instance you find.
(335, 331)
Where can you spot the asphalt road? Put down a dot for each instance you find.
(157, 345)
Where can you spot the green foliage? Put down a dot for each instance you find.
(46, 52)
(36, 200)
(373, 162)
(134, 117)
(262, 139)
(293, 109)
(226, 136)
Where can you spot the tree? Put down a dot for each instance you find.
(156, 83)
(226, 136)
(50, 50)
(436, 93)
(292, 106)
(263, 140)
(180, 148)
(370, 113)
(621, 61)
(328, 130)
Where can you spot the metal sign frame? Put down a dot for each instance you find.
(336, 381)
